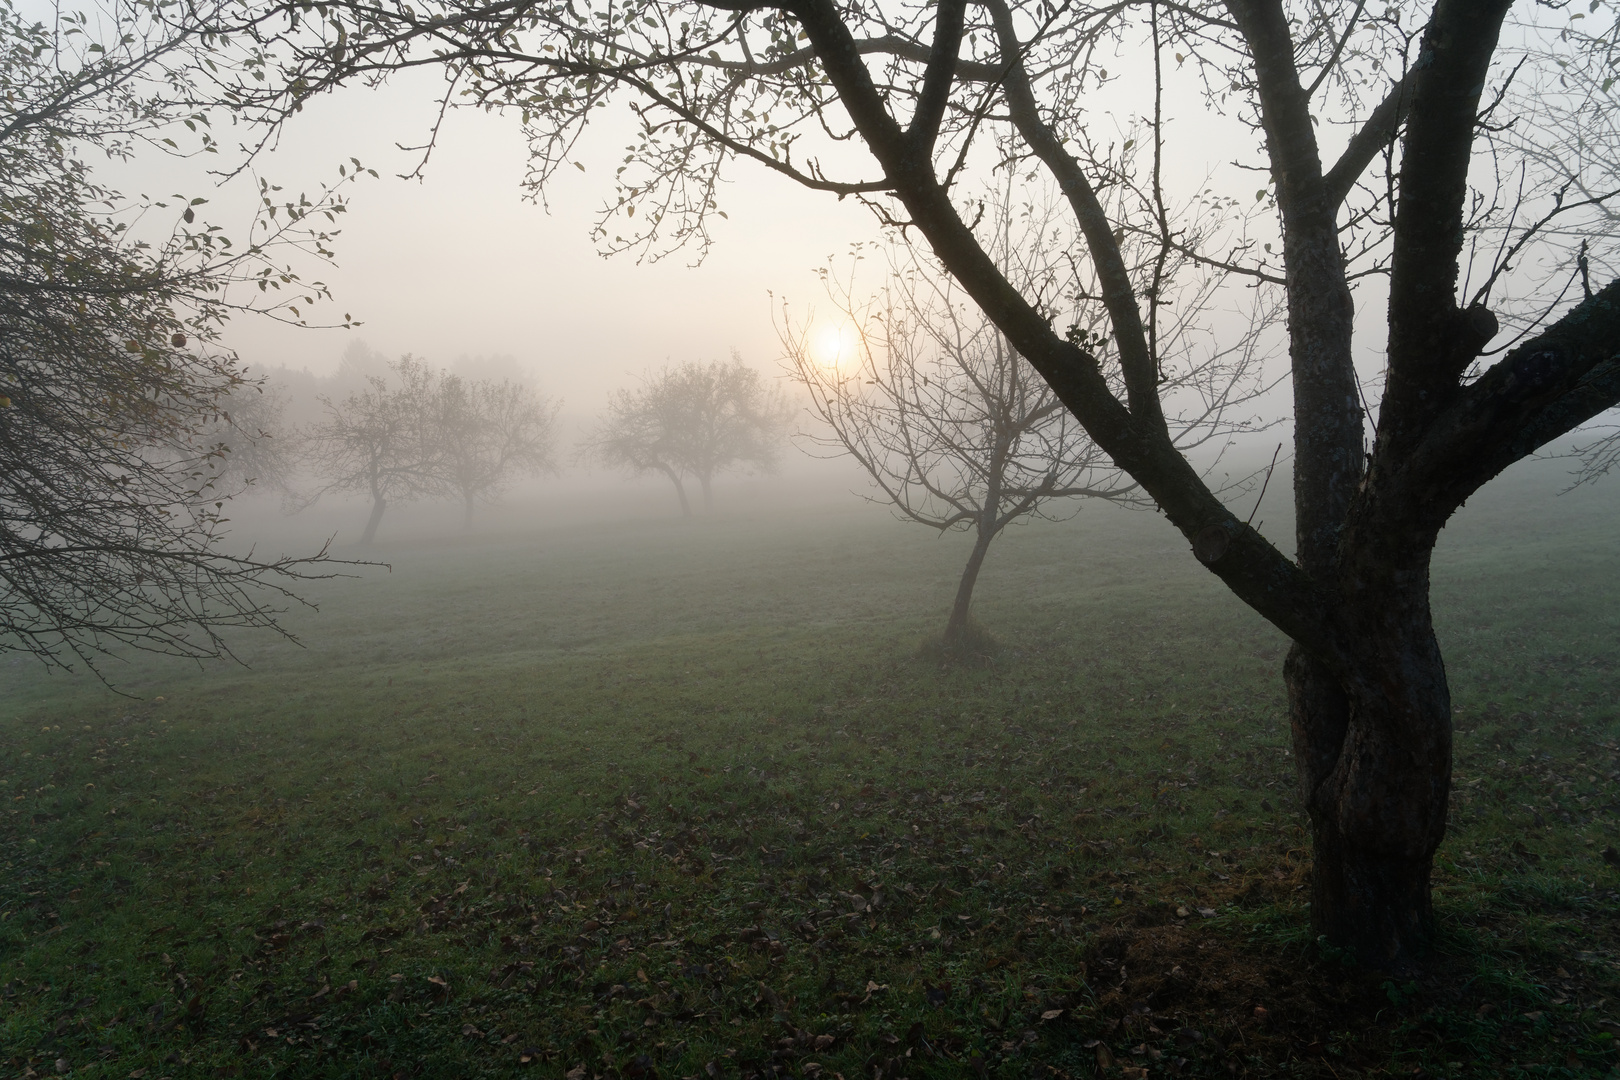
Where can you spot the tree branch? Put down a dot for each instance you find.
(1431, 341)
(1368, 142)
(938, 76)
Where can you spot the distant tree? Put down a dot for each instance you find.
(638, 434)
(694, 420)
(112, 531)
(247, 442)
(489, 433)
(958, 431)
(382, 441)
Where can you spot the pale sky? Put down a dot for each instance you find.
(461, 264)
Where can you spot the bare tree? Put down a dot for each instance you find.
(1377, 134)
(956, 431)
(112, 530)
(491, 432)
(694, 420)
(959, 432)
(383, 442)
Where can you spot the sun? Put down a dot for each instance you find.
(834, 346)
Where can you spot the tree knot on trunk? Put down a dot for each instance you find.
(1211, 543)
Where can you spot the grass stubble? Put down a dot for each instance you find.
(690, 802)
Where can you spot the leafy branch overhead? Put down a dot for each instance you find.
(114, 389)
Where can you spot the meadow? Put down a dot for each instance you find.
(664, 798)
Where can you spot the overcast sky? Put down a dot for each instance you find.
(461, 264)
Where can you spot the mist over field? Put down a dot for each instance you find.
(592, 561)
(829, 541)
(594, 751)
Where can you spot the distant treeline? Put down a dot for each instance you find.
(398, 431)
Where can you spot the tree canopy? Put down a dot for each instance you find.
(420, 432)
(113, 385)
(692, 420)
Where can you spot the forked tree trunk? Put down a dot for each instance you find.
(378, 505)
(1372, 747)
(958, 622)
(708, 494)
(680, 489)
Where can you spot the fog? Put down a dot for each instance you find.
(458, 263)
(628, 727)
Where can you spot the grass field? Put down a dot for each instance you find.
(685, 800)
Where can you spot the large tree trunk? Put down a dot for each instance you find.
(1373, 752)
(467, 512)
(378, 505)
(708, 494)
(964, 589)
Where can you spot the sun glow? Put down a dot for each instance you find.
(835, 346)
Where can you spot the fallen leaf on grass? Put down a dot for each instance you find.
(1051, 1014)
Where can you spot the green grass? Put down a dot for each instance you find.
(690, 799)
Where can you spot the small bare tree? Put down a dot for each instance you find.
(491, 432)
(955, 429)
(694, 420)
(382, 441)
(958, 431)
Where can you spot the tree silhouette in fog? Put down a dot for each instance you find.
(958, 431)
(381, 442)
(695, 420)
(418, 432)
(491, 433)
